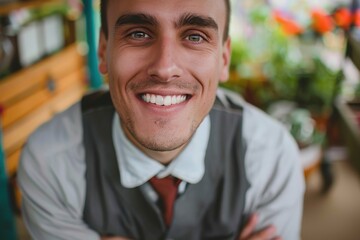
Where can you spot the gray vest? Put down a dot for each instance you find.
(211, 209)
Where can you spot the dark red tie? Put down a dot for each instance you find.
(167, 189)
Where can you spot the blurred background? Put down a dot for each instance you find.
(298, 60)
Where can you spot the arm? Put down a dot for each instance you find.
(49, 211)
(276, 178)
(249, 233)
(282, 197)
(274, 171)
(51, 176)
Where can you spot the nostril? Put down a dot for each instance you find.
(165, 72)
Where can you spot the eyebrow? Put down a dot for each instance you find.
(187, 19)
(190, 19)
(136, 18)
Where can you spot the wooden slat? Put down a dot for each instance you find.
(20, 109)
(16, 135)
(25, 81)
(26, 105)
(66, 99)
(9, 7)
(77, 76)
(60, 68)
(12, 162)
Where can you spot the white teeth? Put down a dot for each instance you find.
(163, 100)
(173, 100)
(167, 101)
(159, 100)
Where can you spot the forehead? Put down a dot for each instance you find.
(168, 10)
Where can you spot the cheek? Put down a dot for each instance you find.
(122, 69)
(118, 75)
(208, 72)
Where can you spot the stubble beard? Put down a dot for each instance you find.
(162, 141)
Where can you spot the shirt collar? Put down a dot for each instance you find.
(136, 168)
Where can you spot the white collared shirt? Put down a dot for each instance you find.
(52, 169)
(136, 168)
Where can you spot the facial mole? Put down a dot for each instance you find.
(161, 123)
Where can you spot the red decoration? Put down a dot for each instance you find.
(322, 22)
(289, 26)
(357, 116)
(2, 109)
(356, 18)
(343, 18)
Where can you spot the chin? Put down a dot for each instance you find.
(162, 143)
(160, 135)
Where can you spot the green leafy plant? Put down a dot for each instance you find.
(357, 92)
(280, 59)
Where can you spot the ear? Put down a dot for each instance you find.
(226, 56)
(102, 53)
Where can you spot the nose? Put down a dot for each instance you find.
(164, 66)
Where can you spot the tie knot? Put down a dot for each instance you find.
(163, 185)
(167, 189)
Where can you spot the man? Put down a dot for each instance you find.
(91, 172)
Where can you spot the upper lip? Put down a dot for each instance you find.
(164, 92)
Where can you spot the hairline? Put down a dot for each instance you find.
(104, 26)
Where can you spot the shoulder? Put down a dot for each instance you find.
(55, 150)
(52, 157)
(272, 166)
(259, 128)
(61, 133)
(51, 177)
(272, 154)
(267, 137)
(262, 131)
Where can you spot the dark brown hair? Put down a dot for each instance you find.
(104, 27)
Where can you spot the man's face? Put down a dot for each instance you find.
(164, 59)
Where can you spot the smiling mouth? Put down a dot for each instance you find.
(164, 100)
